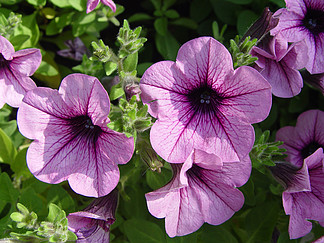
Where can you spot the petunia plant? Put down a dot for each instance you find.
(161, 121)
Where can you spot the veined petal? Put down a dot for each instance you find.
(285, 81)
(164, 85)
(110, 4)
(14, 86)
(198, 62)
(91, 5)
(246, 95)
(316, 48)
(297, 6)
(85, 95)
(26, 61)
(290, 27)
(42, 107)
(6, 48)
(116, 146)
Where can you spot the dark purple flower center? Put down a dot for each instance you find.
(83, 126)
(314, 21)
(3, 62)
(310, 149)
(204, 99)
(284, 173)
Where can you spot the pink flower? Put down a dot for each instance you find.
(304, 198)
(92, 4)
(200, 102)
(304, 20)
(92, 224)
(279, 64)
(203, 189)
(304, 139)
(15, 69)
(71, 138)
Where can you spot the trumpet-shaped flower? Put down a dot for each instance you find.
(92, 224)
(303, 200)
(200, 102)
(92, 4)
(203, 189)
(304, 20)
(304, 139)
(71, 138)
(279, 64)
(15, 69)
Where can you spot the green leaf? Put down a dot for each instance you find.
(172, 14)
(37, 2)
(185, 22)
(218, 234)
(167, 46)
(55, 213)
(260, 222)
(200, 9)
(10, 2)
(130, 62)
(9, 127)
(57, 195)
(156, 179)
(110, 67)
(161, 26)
(226, 11)
(139, 17)
(242, 2)
(7, 150)
(116, 91)
(244, 21)
(19, 166)
(28, 27)
(7, 191)
(139, 231)
(61, 3)
(47, 69)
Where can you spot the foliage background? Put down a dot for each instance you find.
(167, 24)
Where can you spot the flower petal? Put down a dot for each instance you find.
(110, 4)
(26, 61)
(91, 5)
(6, 48)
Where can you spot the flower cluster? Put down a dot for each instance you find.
(296, 42)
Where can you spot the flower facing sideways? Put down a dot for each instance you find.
(71, 138)
(304, 20)
(200, 102)
(92, 4)
(92, 224)
(15, 69)
(203, 189)
(303, 198)
(279, 63)
(304, 139)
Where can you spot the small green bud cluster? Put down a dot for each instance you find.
(264, 153)
(240, 51)
(129, 40)
(55, 229)
(8, 26)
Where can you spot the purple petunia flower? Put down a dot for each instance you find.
(303, 198)
(71, 138)
(304, 139)
(76, 49)
(200, 102)
(315, 80)
(279, 64)
(92, 224)
(203, 189)
(15, 69)
(304, 20)
(92, 4)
